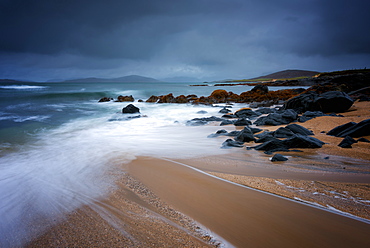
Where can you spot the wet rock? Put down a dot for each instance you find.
(224, 110)
(202, 121)
(298, 129)
(278, 157)
(263, 89)
(153, 99)
(106, 99)
(363, 140)
(262, 111)
(226, 122)
(218, 133)
(202, 112)
(272, 146)
(233, 133)
(246, 113)
(283, 132)
(347, 142)
(130, 109)
(280, 118)
(231, 143)
(265, 138)
(246, 135)
(229, 116)
(125, 99)
(242, 122)
(256, 130)
(352, 129)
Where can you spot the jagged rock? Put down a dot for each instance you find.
(153, 99)
(272, 146)
(260, 88)
(278, 157)
(130, 109)
(255, 129)
(347, 142)
(352, 129)
(242, 122)
(105, 99)
(265, 138)
(275, 119)
(298, 129)
(301, 141)
(231, 143)
(202, 121)
(234, 133)
(363, 140)
(246, 113)
(283, 132)
(246, 135)
(125, 99)
(218, 133)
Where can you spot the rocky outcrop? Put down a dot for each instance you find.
(130, 109)
(106, 99)
(347, 142)
(125, 99)
(332, 101)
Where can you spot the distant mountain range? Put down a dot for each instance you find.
(289, 74)
(125, 79)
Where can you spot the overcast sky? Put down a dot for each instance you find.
(205, 39)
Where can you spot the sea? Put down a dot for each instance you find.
(60, 148)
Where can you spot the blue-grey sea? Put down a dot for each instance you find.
(59, 147)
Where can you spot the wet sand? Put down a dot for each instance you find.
(147, 209)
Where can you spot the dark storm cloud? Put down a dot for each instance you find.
(206, 36)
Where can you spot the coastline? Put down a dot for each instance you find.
(153, 191)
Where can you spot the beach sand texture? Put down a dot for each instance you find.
(146, 209)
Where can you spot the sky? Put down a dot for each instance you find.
(204, 39)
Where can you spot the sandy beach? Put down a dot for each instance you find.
(318, 198)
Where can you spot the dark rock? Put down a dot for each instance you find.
(363, 140)
(283, 132)
(360, 129)
(332, 101)
(242, 122)
(202, 121)
(246, 113)
(308, 115)
(263, 89)
(256, 130)
(347, 142)
(246, 135)
(265, 138)
(130, 109)
(265, 133)
(272, 146)
(226, 122)
(224, 110)
(339, 129)
(234, 133)
(218, 133)
(105, 99)
(275, 119)
(231, 143)
(229, 116)
(298, 129)
(301, 141)
(262, 111)
(278, 157)
(202, 112)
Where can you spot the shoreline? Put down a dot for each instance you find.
(153, 195)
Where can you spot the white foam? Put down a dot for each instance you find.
(23, 87)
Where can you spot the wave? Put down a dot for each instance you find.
(22, 87)
(82, 95)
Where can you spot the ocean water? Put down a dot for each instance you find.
(59, 147)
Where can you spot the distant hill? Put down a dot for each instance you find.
(12, 81)
(289, 74)
(125, 79)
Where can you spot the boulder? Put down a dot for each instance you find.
(265, 138)
(298, 129)
(278, 157)
(302, 141)
(218, 133)
(246, 113)
(224, 110)
(262, 89)
(283, 132)
(272, 146)
(125, 99)
(231, 143)
(332, 101)
(226, 122)
(246, 135)
(347, 142)
(262, 111)
(202, 121)
(105, 99)
(130, 109)
(242, 122)
(285, 117)
(352, 129)
(308, 115)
